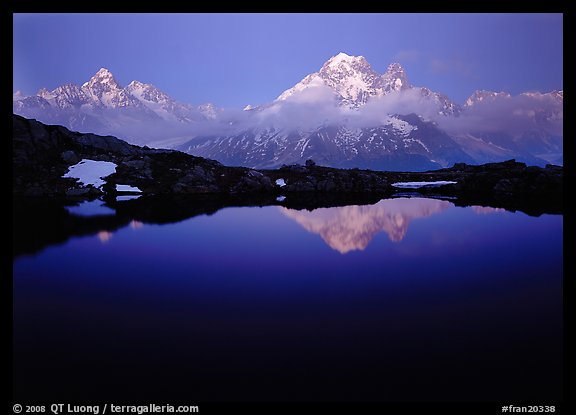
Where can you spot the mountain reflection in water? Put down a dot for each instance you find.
(226, 300)
(344, 224)
(351, 228)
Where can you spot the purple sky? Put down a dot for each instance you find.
(233, 60)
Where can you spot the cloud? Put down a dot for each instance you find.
(315, 92)
(405, 56)
(305, 110)
(401, 102)
(513, 115)
(318, 106)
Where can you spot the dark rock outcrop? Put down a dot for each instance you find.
(42, 154)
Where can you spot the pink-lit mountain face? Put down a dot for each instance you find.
(344, 115)
(354, 83)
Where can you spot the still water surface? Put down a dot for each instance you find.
(410, 299)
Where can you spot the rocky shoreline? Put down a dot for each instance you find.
(42, 154)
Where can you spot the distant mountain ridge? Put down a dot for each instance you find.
(344, 115)
(102, 105)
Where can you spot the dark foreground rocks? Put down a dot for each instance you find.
(42, 154)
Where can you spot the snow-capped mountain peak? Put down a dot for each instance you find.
(341, 56)
(136, 84)
(395, 79)
(103, 106)
(147, 92)
(103, 89)
(67, 96)
(395, 67)
(353, 80)
(104, 72)
(44, 93)
(350, 77)
(485, 96)
(165, 106)
(343, 59)
(104, 77)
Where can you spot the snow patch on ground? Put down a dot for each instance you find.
(280, 182)
(127, 188)
(416, 185)
(91, 171)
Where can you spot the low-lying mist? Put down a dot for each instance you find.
(318, 106)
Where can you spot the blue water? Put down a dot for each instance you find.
(406, 300)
